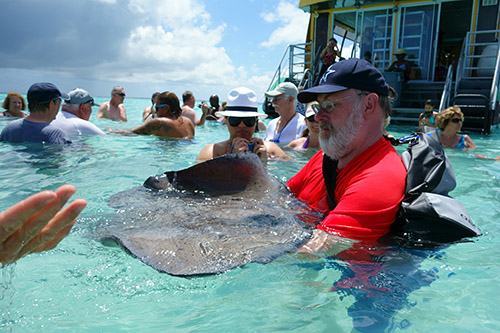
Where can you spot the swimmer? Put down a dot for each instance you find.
(310, 138)
(241, 117)
(13, 104)
(358, 179)
(450, 121)
(428, 117)
(114, 109)
(169, 123)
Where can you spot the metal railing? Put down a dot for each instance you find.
(469, 65)
(446, 96)
(494, 85)
(293, 64)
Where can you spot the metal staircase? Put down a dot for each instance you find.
(476, 82)
(296, 66)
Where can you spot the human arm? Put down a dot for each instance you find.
(274, 151)
(102, 113)
(122, 113)
(37, 223)
(148, 112)
(469, 143)
(154, 126)
(204, 109)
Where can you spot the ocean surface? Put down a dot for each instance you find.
(83, 285)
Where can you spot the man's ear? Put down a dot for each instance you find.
(370, 104)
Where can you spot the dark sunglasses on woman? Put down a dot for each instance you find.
(248, 121)
(456, 120)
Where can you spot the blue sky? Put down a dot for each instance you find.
(207, 46)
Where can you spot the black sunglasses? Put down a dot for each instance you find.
(311, 119)
(456, 120)
(248, 121)
(120, 94)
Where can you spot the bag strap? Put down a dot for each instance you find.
(330, 178)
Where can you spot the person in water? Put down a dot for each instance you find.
(73, 119)
(450, 121)
(114, 109)
(357, 179)
(44, 100)
(13, 104)
(401, 64)
(37, 223)
(187, 109)
(310, 137)
(289, 125)
(241, 116)
(428, 117)
(149, 112)
(169, 122)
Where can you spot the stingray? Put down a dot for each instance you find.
(208, 218)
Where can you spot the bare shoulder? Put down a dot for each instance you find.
(296, 144)
(206, 153)
(187, 110)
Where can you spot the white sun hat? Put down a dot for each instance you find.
(241, 102)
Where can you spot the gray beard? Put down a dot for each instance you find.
(340, 141)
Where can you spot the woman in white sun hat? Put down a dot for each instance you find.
(241, 116)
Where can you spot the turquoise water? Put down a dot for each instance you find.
(83, 285)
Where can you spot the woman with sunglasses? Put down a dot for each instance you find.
(450, 121)
(241, 116)
(310, 138)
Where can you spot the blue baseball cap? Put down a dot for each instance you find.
(44, 92)
(347, 74)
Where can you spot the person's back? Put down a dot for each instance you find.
(181, 127)
(22, 130)
(75, 113)
(169, 122)
(74, 126)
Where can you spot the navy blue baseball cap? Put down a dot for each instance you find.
(347, 74)
(44, 92)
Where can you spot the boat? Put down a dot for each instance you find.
(453, 47)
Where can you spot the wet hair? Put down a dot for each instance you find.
(429, 102)
(153, 96)
(172, 101)
(186, 96)
(6, 101)
(215, 99)
(444, 116)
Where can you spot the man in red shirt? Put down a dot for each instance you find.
(364, 175)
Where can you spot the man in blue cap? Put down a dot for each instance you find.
(357, 180)
(44, 100)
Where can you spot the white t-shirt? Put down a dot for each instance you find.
(292, 130)
(74, 126)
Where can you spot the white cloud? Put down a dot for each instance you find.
(293, 27)
(175, 44)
